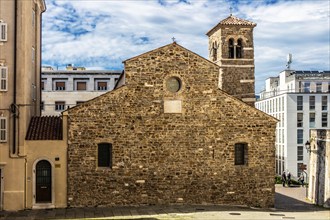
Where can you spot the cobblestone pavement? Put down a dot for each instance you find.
(290, 203)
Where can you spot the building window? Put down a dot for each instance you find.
(299, 171)
(231, 48)
(102, 85)
(307, 86)
(3, 31)
(59, 106)
(81, 85)
(318, 87)
(312, 120)
(300, 102)
(300, 153)
(300, 136)
(3, 78)
(59, 85)
(215, 51)
(42, 85)
(104, 155)
(79, 102)
(173, 84)
(324, 119)
(3, 129)
(324, 103)
(300, 119)
(312, 103)
(42, 106)
(240, 153)
(239, 49)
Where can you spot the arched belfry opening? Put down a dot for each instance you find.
(231, 48)
(239, 49)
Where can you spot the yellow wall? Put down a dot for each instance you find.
(54, 152)
(47, 150)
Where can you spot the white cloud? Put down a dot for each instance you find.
(102, 33)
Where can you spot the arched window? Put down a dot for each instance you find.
(231, 48)
(104, 155)
(239, 49)
(215, 51)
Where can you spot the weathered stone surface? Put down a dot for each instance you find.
(165, 158)
(233, 70)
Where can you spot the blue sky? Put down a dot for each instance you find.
(100, 34)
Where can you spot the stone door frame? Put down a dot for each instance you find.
(36, 205)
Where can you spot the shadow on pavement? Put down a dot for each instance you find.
(286, 203)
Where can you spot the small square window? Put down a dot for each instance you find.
(59, 85)
(102, 85)
(59, 106)
(81, 85)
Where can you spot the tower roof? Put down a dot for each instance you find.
(232, 20)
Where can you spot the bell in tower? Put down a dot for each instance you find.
(231, 47)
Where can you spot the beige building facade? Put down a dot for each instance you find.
(20, 49)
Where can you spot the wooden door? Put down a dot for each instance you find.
(43, 182)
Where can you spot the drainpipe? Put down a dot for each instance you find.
(14, 106)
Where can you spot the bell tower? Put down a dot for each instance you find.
(231, 47)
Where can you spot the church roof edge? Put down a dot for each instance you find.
(233, 20)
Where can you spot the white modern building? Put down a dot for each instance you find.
(300, 100)
(62, 89)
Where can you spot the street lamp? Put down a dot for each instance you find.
(308, 146)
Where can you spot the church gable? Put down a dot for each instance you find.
(167, 134)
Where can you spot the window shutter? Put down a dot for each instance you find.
(102, 86)
(3, 129)
(3, 78)
(81, 85)
(3, 32)
(60, 85)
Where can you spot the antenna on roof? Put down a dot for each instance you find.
(288, 61)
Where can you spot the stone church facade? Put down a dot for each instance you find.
(169, 136)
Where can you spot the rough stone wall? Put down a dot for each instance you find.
(319, 167)
(237, 75)
(166, 158)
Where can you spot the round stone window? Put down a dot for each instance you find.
(173, 84)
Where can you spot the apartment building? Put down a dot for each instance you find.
(300, 100)
(20, 52)
(63, 89)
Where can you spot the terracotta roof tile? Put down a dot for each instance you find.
(232, 20)
(45, 128)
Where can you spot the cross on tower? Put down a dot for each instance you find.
(231, 10)
(173, 39)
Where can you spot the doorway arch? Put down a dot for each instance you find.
(43, 184)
